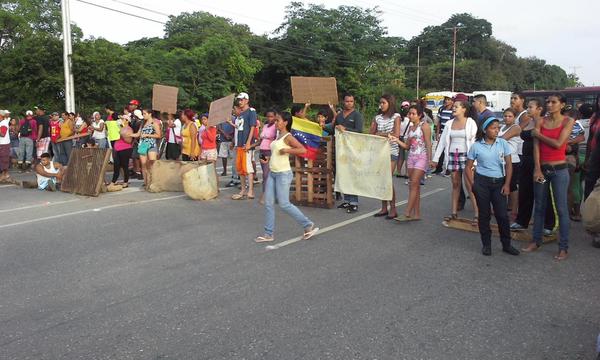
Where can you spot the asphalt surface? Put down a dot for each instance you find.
(134, 275)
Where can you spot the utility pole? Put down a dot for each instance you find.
(454, 29)
(67, 57)
(418, 68)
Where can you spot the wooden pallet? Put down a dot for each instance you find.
(85, 172)
(313, 179)
(465, 225)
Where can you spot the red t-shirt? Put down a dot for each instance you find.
(209, 138)
(54, 131)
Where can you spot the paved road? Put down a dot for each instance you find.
(134, 275)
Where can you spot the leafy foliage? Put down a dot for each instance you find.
(208, 57)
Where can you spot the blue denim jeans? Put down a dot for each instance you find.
(278, 187)
(559, 179)
(26, 150)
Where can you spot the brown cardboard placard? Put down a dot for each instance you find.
(314, 90)
(164, 98)
(220, 110)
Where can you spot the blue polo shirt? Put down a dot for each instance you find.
(490, 158)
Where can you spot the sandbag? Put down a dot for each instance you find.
(201, 183)
(166, 176)
(591, 211)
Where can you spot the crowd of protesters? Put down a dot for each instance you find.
(529, 162)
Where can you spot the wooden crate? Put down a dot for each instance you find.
(313, 179)
(85, 173)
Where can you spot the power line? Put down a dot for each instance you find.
(121, 12)
(141, 8)
(284, 49)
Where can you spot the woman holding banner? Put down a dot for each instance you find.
(386, 123)
(280, 178)
(418, 144)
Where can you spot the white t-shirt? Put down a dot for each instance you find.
(97, 133)
(5, 140)
(403, 125)
(176, 130)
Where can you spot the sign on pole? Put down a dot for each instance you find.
(164, 98)
(314, 90)
(220, 110)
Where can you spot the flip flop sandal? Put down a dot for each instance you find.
(475, 221)
(250, 197)
(264, 238)
(311, 233)
(451, 217)
(404, 218)
(238, 197)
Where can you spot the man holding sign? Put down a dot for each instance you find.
(349, 120)
(245, 124)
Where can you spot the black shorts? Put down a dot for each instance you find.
(514, 181)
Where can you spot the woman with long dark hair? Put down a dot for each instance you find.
(491, 183)
(535, 110)
(418, 144)
(190, 149)
(592, 174)
(267, 135)
(550, 141)
(456, 140)
(148, 134)
(386, 123)
(280, 179)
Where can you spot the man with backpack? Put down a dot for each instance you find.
(28, 132)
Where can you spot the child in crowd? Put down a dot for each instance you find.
(491, 183)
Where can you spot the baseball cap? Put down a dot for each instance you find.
(28, 113)
(134, 102)
(55, 114)
(405, 103)
(460, 97)
(39, 107)
(138, 114)
(2, 112)
(243, 95)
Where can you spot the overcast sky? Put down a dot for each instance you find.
(562, 33)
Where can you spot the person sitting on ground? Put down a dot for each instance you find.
(49, 175)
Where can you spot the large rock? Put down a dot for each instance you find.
(201, 183)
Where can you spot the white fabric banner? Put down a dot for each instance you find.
(363, 165)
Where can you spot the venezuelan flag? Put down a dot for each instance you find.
(309, 135)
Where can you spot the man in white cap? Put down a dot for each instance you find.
(245, 124)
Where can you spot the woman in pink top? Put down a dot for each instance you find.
(123, 150)
(267, 135)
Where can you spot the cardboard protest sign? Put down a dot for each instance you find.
(164, 98)
(84, 174)
(314, 90)
(220, 110)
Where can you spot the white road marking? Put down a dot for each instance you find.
(89, 210)
(47, 203)
(344, 223)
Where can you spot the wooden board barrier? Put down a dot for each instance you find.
(313, 179)
(465, 225)
(84, 174)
